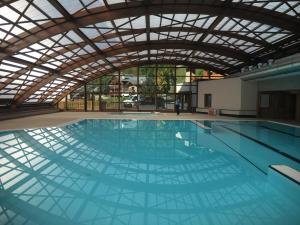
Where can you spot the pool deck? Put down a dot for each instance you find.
(56, 119)
(60, 118)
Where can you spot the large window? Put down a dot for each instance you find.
(144, 88)
(207, 100)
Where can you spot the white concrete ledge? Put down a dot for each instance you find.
(202, 110)
(238, 112)
(205, 128)
(288, 172)
(286, 180)
(142, 113)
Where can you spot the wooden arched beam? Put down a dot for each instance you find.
(132, 9)
(183, 56)
(155, 30)
(29, 67)
(51, 91)
(182, 29)
(28, 92)
(140, 63)
(137, 31)
(130, 48)
(209, 48)
(142, 46)
(20, 98)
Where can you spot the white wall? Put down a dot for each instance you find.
(226, 93)
(232, 96)
(249, 95)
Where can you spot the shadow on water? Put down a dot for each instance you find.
(132, 172)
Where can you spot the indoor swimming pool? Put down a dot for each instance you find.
(147, 172)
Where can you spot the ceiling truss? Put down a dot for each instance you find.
(52, 48)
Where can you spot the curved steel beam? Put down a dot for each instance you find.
(133, 9)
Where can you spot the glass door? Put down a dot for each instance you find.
(185, 100)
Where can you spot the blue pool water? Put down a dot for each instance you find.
(143, 172)
(264, 143)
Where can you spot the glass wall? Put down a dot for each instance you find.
(92, 95)
(129, 81)
(145, 88)
(110, 92)
(75, 100)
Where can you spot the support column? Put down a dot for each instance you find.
(190, 84)
(100, 93)
(197, 93)
(175, 90)
(190, 97)
(85, 98)
(66, 103)
(155, 97)
(137, 87)
(119, 90)
(93, 101)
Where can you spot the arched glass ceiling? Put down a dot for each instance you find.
(50, 47)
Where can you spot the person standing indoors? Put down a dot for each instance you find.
(177, 106)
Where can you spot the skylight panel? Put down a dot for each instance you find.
(90, 32)
(65, 41)
(48, 8)
(89, 49)
(6, 27)
(102, 45)
(26, 58)
(71, 6)
(139, 22)
(142, 37)
(122, 23)
(2, 34)
(8, 68)
(153, 36)
(48, 42)
(275, 37)
(74, 36)
(96, 3)
(9, 13)
(154, 21)
(106, 25)
(16, 30)
(36, 73)
(33, 13)
(27, 25)
(165, 22)
(111, 2)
